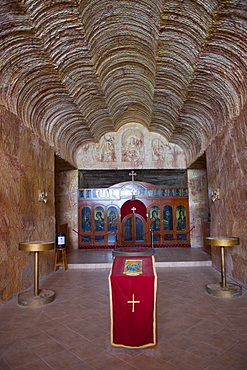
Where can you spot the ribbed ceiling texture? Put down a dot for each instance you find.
(74, 70)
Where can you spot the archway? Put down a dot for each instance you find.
(134, 223)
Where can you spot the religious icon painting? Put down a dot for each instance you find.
(168, 237)
(164, 192)
(128, 229)
(156, 192)
(88, 193)
(112, 218)
(99, 239)
(81, 194)
(182, 237)
(99, 219)
(86, 239)
(170, 192)
(86, 219)
(181, 218)
(155, 218)
(139, 229)
(184, 192)
(167, 218)
(133, 267)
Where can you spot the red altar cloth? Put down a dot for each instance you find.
(133, 304)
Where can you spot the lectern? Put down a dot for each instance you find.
(133, 286)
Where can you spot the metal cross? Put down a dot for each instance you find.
(133, 209)
(133, 302)
(132, 174)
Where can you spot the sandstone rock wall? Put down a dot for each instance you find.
(67, 204)
(198, 205)
(26, 166)
(227, 171)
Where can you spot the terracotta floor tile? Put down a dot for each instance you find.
(81, 366)
(242, 328)
(62, 360)
(4, 365)
(124, 354)
(188, 361)
(87, 350)
(195, 330)
(167, 351)
(240, 349)
(236, 319)
(65, 337)
(36, 365)
(37, 339)
(16, 346)
(29, 332)
(183, 341)
(219, 341)
(231, 361)
(7, 342)
(48, 348)
(18, 358)
(13, 327)
(205, 351)
(233, 334)
(167, 366)
(143, 360)
(102, 360)
(47, 325)
(214, 366)
(122, 366)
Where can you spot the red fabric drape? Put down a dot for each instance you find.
(139, 206)
(133, 329)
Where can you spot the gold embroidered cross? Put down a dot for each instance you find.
(133, 302)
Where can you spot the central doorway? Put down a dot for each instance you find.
(134, 223)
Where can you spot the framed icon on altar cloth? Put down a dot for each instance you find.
(133, 267)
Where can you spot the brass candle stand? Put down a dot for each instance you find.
(223, 289)
(37, 297)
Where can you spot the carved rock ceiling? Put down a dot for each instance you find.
(74, 70)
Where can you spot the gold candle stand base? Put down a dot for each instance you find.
(231, 290)
(29, 299)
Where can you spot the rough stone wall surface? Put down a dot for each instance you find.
(227, 171)
(67, 204)
(198, 205)
(26, 166)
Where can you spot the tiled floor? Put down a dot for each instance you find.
(195, 330)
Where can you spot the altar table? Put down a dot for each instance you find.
(133, 302)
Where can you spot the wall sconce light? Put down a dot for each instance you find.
(43, 197)
(215, 195)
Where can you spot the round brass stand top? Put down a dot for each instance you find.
(36, 246)
(222, 241)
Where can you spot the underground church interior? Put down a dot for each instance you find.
(123, 145)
